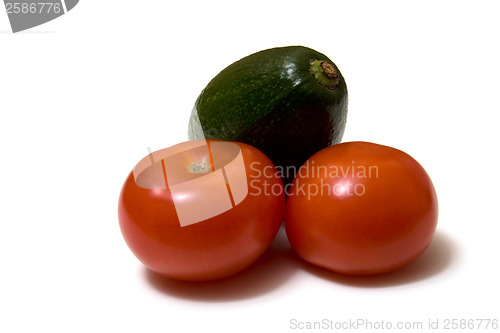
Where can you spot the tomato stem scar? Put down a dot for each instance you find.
(199, 167)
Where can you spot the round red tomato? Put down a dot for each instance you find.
(361, 208)
(201, 210)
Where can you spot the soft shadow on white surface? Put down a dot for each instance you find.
(440, 255)
(270, 272)
(279, 264)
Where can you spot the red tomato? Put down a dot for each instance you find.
(361, 208)
(201, 210)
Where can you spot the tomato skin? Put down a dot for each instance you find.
(214, 248)
(376, 221)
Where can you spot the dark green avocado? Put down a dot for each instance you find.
(289, 102)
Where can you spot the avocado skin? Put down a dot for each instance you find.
(272, 101)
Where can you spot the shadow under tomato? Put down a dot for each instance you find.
(279, 264)
(269, 272)
(440, 254)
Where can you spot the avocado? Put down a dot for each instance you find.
(289, 102)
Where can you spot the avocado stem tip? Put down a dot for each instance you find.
(325, 73)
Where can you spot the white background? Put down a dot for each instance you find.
(84, 96)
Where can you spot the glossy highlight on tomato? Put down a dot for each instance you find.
(360, 208)
(188, 213)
